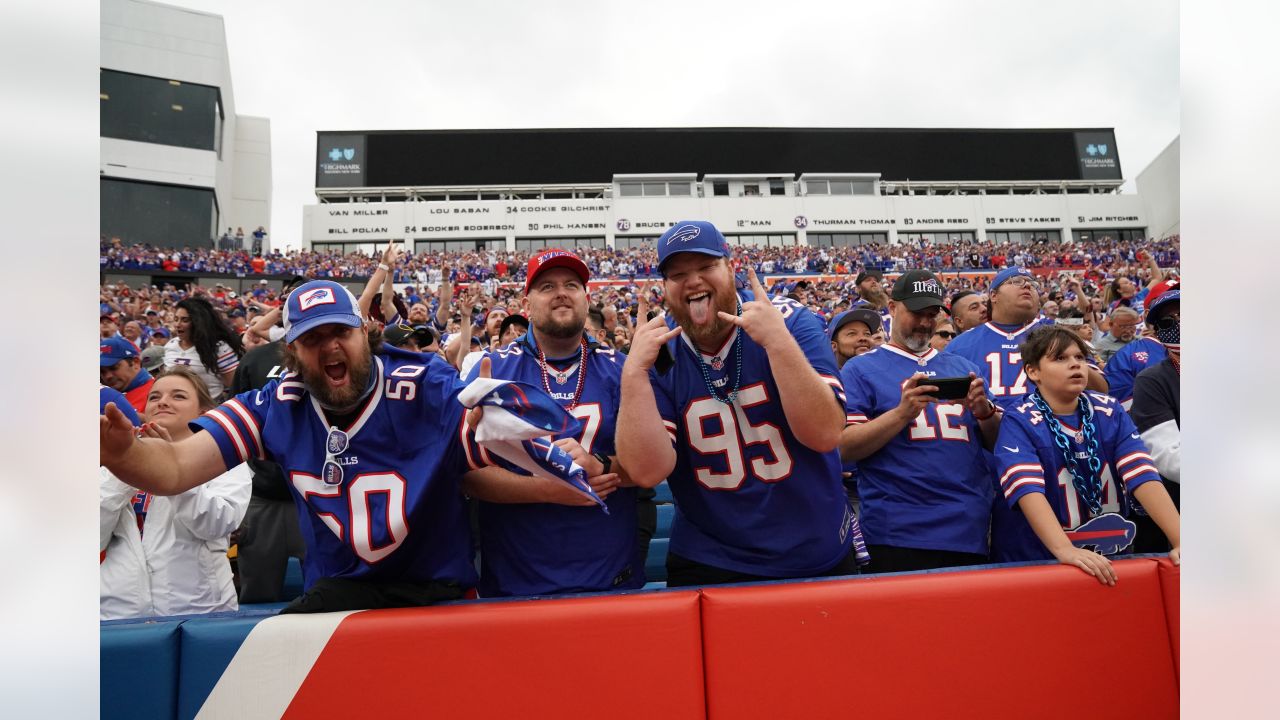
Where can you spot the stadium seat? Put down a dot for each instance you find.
(292, 580)
(655, 565)
(666, 512)
(663, 493)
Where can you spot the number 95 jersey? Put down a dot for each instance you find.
(397, 513)
(749, 496)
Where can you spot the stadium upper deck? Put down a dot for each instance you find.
(527, 189)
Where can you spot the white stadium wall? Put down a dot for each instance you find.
(379, 222)
(1159, 184)
(187, 46)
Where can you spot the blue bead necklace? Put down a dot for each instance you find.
(736, 350)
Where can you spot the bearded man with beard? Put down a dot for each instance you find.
(734, 398)
(925, 487)
(373, 444)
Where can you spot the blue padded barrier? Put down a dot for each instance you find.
(139, 670)
(207, 649)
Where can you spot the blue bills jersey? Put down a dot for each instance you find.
(1030, 462)
(749, 496)
(544, 548)
(928, 487)
(398, 512)
(996, 351)
(1125, 365)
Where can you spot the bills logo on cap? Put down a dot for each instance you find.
(318, 296)
(684, 233)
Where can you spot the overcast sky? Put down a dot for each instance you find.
(384, 64)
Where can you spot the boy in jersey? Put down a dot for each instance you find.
(994, 346)
(1068, 457)
(922, 477)
(373, 444)
(537, 537)
(743, 412)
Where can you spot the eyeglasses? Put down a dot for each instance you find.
(945, 333)
(1022, 281)
(335, 444)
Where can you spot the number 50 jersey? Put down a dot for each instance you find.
(397, 513)
(749, 496)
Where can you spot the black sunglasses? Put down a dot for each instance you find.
(1168, 322)
(946, 334)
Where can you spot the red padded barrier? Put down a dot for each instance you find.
(633, 656)
(1042, 642)
(1170, 585)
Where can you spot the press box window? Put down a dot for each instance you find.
(160, 111)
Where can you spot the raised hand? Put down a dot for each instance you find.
(647, 341)
(115, 435)
(760, 319)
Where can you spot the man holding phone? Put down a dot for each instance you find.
(917, 421)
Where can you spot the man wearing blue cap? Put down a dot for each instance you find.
(121, 369)
(735, 398)
(373, 444)
(994, 345)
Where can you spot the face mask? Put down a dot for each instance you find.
(1169, 332)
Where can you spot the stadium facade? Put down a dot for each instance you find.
(528, 189)
(177, 164)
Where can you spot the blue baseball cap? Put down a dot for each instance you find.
(114, 349)
(697, 236)
(1009, 272)
(316, 303)
(1167, 297)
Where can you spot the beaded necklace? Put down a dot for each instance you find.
(1088, 487)
(561, 378)
(736, 350)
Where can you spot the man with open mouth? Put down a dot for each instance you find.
(735, 398)
(373, 444)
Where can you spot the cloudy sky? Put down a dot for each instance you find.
(386, 64)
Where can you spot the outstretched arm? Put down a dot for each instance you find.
(644, 447)
(154, 465)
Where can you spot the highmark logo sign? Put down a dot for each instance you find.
(1095, 150)
(340, 154)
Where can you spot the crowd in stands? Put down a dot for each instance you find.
(1105, 255)
(456, 303)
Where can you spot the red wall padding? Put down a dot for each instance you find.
(634, 656)
(1170, 582)
(1042, 642)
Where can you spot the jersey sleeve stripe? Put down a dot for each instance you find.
(1030, 469)
(855, 418)
(250, 422)
(1134, 457)
(465, 438)
(1033, 482)
(229, 427)
(1139, 470)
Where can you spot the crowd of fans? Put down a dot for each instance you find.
(1106, 256)
(458, 303)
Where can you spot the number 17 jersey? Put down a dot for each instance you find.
(997, 353)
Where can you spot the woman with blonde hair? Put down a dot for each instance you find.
(168, 555)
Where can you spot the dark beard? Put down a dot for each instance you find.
(342, 398)
(708, 337)
(562, 331)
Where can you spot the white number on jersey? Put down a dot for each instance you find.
(736, 431)
(590, 416)
(1077, 511)
(364, 525)
(948, 422)
(997, 362)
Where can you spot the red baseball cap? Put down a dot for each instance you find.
(553, 258)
